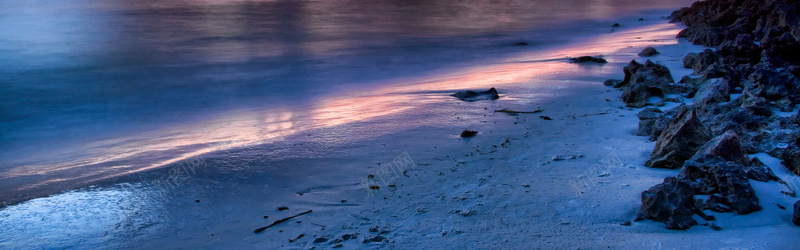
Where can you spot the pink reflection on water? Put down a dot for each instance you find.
(122, 156)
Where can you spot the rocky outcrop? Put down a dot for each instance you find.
(471, 96)
(679, 141)
(672, 203)
(756, 53)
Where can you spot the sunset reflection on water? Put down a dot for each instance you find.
(402, 98)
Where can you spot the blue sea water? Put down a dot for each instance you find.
(81, 78)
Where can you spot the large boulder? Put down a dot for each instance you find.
(774, 84)
(756, 105)
(730, 116)
(726, 178)
(718, 70)
(713, 91)
(783, 48)
(644, 81)
(741, 50)
(671, 202)
(726, 146)
(775, 137)
(679, 141)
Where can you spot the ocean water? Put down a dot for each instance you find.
(93, 89)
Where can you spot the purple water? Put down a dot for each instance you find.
(84, 79)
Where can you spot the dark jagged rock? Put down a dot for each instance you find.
(782, 48)
(715, 202)
(774, 84)
(796, 217)
(702, 61)
(471, 96)
(712, 91)
(706, 36)
(686, 88)
(774, 137)
(726, 146)
(652, 121)
(730, 116)
(715, 175)
(587, 59)
(756, 105)
(784, 105)
(688, 80)
(690, 60)
(679, 141)
(759, 171)
(647, 121)
(629, 71)
(469, 133)
(649, 51)
(612, 82)
(671, 202)
(756, 52)
(741, 50)
(644, 81)
(791, 159)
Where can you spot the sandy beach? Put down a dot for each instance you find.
(563, 178)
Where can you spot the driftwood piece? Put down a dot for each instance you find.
(261, 229)
(519, 112)
(298, 237)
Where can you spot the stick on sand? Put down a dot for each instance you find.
(519, 112)
(279, 221)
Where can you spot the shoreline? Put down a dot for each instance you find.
(99, 162)
(459, 194)
(108, 161)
